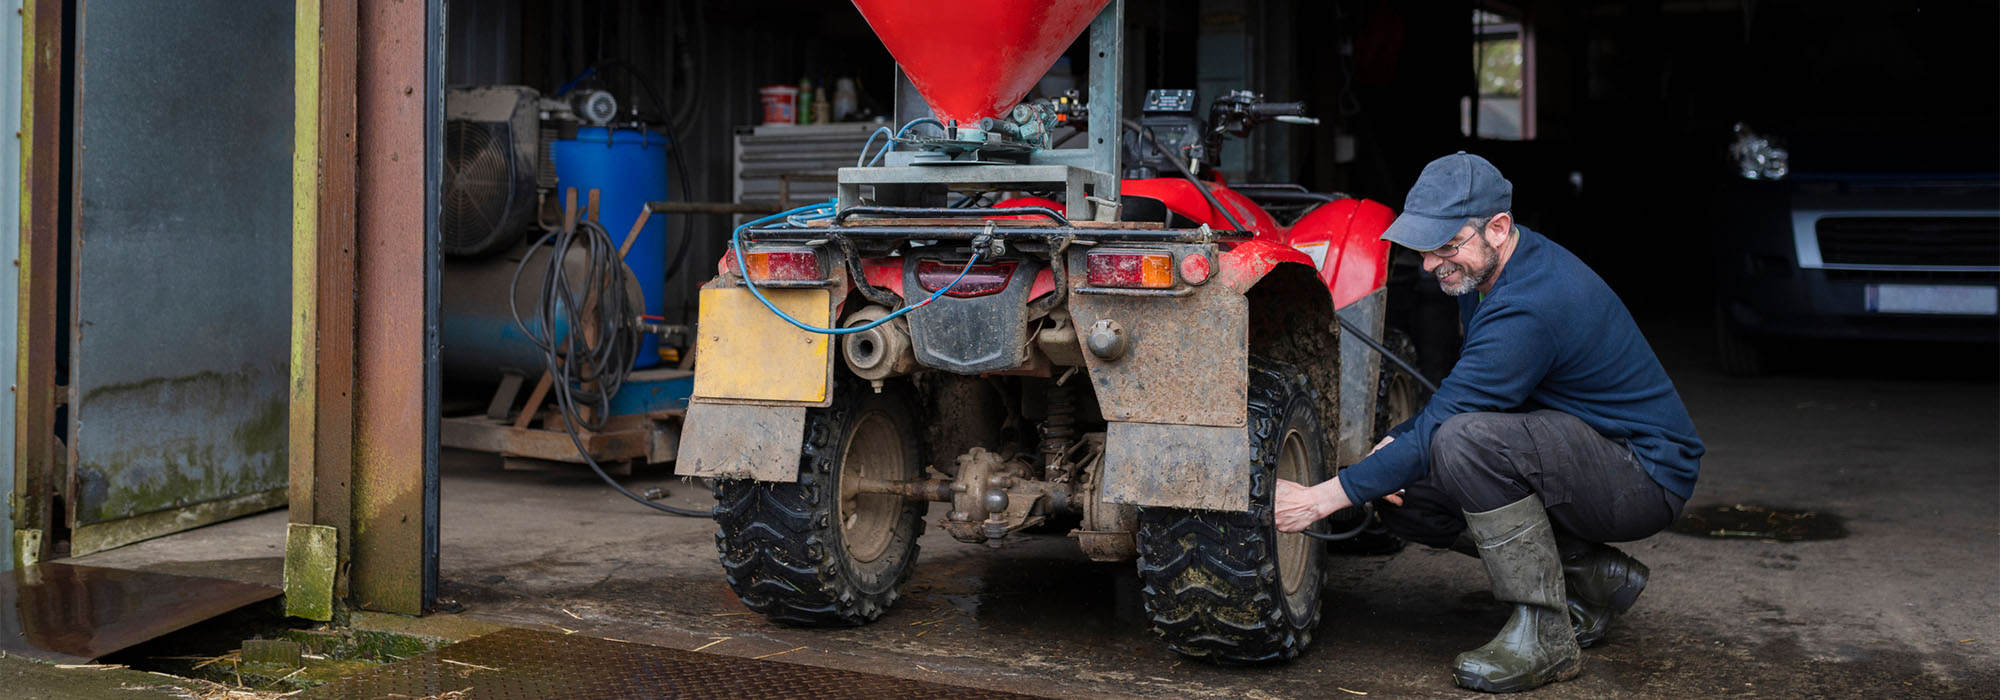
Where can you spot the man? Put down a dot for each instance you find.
(1557, 431)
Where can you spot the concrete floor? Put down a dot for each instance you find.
(1908, 604)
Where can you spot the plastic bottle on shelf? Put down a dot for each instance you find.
(820, 107)
(805, 101)
(845, 100)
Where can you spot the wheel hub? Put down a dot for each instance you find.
(868, 520)
(1292, 546)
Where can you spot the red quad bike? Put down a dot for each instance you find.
(1131, 363)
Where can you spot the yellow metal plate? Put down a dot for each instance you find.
(747, 353)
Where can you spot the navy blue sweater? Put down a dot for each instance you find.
(1551, 334)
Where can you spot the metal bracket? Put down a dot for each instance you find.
(27, 548)
(311, 556)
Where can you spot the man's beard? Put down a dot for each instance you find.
(1468, 278)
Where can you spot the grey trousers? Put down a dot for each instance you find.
(1594, 487)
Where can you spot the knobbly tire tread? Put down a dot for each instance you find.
(1211, 590)
(780, 543)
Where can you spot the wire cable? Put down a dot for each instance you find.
(893, 137)
(585, 373)
(826, 208)
(1367, 518)
(1175, 161)
(1399, 362)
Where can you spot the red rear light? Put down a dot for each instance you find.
(780, 265)
(1130, 270)
(980, 281)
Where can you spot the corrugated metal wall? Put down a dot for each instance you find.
(795, 163)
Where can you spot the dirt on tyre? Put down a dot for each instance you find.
(803, 554)
(1229, 587)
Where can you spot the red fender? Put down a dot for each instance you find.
(1354, 261)
(1182, 198)
(1250, 260)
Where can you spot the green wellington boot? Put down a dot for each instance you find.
(1601, 583)
(1537, 646)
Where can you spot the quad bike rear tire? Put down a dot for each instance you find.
(1229, 587)
(799, 553)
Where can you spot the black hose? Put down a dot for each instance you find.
(1367, 518)
(1377, 346)
(1175, 161)
(580, 371)
(1368, 509)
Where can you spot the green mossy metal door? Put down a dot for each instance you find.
(181, 258)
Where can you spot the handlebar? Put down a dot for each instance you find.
(1277, 109)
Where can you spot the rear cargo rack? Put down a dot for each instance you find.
(882, 224)
(885, 228)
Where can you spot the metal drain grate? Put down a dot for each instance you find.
(529, 664)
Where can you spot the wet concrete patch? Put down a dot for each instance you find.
(1750, 521)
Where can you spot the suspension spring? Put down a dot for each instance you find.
(1058, 431)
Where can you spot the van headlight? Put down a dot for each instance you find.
(1758, 157)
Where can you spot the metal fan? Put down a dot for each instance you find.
(490, 147)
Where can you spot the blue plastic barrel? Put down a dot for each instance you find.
(628, 168)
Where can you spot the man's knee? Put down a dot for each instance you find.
(1464, 440)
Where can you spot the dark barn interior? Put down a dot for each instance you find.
(1797, 201)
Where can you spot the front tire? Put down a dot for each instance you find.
(801, 554)
(1398, 396)
(1229, 587)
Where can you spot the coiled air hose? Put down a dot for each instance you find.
(585, 368)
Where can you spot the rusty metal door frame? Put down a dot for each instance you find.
(365, 447)
(434, 45)
(33, 486)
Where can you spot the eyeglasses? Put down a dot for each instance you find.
(1451, 249)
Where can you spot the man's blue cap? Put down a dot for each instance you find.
(1451, 190)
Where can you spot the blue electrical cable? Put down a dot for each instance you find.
(900, 133)
(824, 210)
(862, 160)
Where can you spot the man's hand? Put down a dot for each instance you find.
(1298, 507)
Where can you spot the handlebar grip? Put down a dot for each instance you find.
(1274, 109)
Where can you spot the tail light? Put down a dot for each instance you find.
(1130, 270)
(979, 281)
(779, 265)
